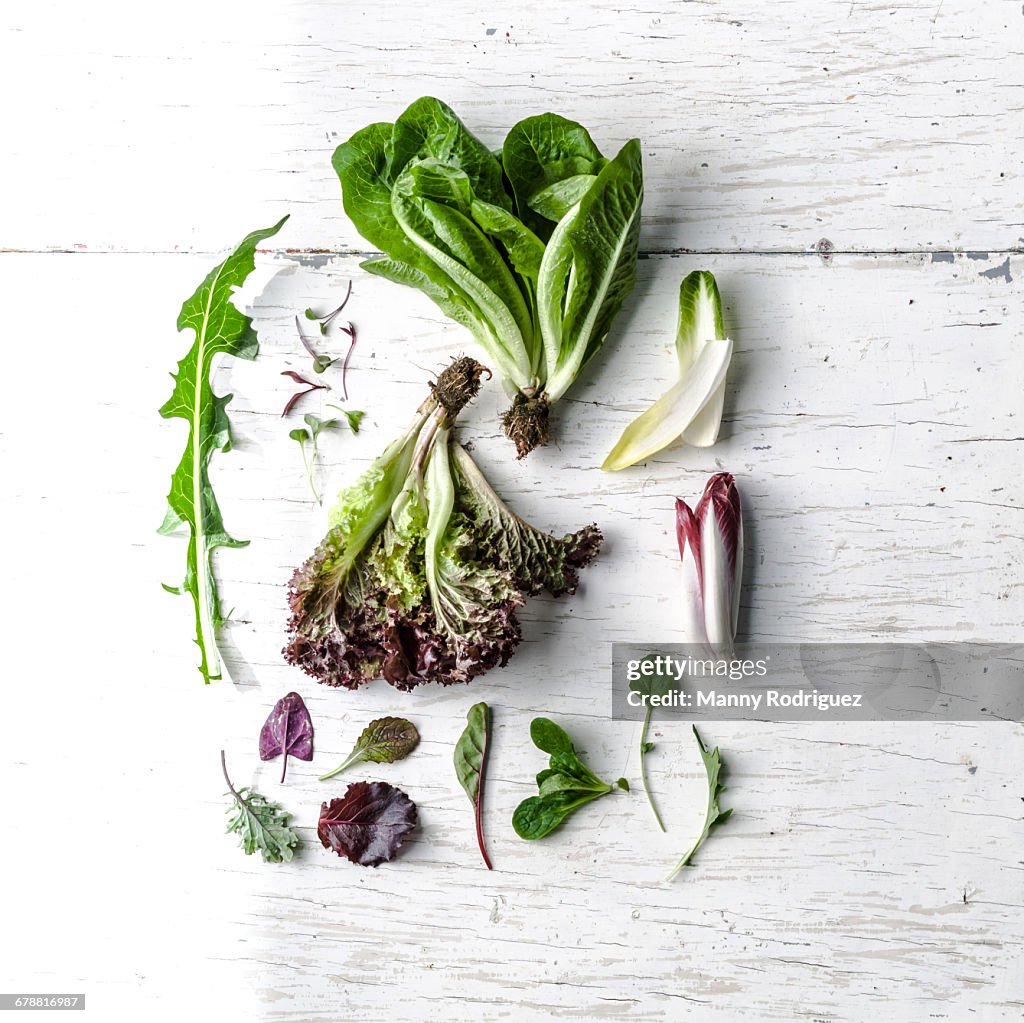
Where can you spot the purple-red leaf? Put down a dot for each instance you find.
(310, 387)
(288, 730)
(368, 824)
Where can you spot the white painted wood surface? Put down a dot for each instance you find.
(872, 421)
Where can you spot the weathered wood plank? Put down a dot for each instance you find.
(765, 126)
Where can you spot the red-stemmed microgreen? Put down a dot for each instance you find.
(351, 331)
(310, 387)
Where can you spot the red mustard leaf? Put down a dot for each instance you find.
(368, 823)
(288, 730)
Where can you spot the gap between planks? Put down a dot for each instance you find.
(298, 253)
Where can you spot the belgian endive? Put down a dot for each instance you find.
(691, 409)
(711, 547)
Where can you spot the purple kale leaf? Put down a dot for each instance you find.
(288, 730)
(368, 824)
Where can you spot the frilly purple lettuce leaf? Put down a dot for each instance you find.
(368, 824)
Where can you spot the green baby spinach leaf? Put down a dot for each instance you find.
(715, 814)
(565, 786)
(383, 741)
(471, 763)
(219, 329)
(261, 824)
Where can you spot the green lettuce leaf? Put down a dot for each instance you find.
(603, 237)
(540, 152)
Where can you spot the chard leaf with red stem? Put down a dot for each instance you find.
(368, 824)
(471, 763)
(288, 731)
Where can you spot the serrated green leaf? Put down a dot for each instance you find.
(219, 329)
(715, 814)
(261, 824)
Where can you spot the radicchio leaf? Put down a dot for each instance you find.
(368, 824)
(288, 730)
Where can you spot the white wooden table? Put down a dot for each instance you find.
(852, 173)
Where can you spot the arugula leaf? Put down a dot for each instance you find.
(383, 741)
(220, 329)
(564, 787)
(715, 814)
(368, 824)
(471, 762)
(261, 824)
(650, 685)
